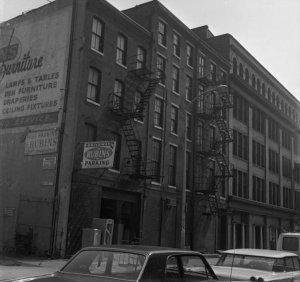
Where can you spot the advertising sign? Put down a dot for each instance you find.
(33, 56)
(42, 142)
(98, 154)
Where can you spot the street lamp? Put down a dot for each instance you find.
(182, 243)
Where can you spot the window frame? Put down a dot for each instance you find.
(121, 54)
(98, 37)
(94, 86)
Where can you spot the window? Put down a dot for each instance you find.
(258, 153)
(121, 49)
(240, 108)
(241, 70)
(287, 197)
(136, 106)
(235, 66)
(297, 172)
(188, 171)
(189, 55)
(240, 145)
(199, 136)
(263, 90)
(161, 65)
(258, 85)
(188, 88)
(118, 94)
(223, 77)
(90, 132)
(176, 45)
(286, 139)
(201, 67)
(258, 189)
(162, 34)
(273, 161)
(117, 137)
(141, 58)
(286, 167)
(94, 82)
(258, 120)
(175, 79)
(213, 72)
(240, 184)
(247, 77)
(188, 126)
(172, 165)
(253, 81)
(158, 112)
(156, 158)
(174, 119)
(97, 35)
(258, 237)
(273, 130)
(274, 194)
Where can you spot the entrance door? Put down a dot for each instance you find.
(126, 220)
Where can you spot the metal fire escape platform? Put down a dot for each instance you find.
(212, 147)
(129, 109)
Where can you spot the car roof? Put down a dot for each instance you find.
(260, 253)
(141, 248)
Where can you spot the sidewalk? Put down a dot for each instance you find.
(26, 266)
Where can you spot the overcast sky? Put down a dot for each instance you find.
(268, 29)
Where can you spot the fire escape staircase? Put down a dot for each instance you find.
(128, 111)
(212, 149)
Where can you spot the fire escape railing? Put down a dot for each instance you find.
(129, 108)
(213, 146)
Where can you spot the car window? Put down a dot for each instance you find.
(172, 269)
(194, 268)
(278, 265)
(290, 244)
(107, 263)
(296, 263)
(289, 264)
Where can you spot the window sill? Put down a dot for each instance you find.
(97, 51)
(174, 134)
(114, 170)
(176, 56)
(124, 67)
(172, 187)
(92, 102)
(163, 46)
(176, 93)
(158, 127)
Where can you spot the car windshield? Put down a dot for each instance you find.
(253, 262)
(114, 264)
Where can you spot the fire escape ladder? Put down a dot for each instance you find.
(140, 107)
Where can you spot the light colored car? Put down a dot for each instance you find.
(131, 263)
(257, 265)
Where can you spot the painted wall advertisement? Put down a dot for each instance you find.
(98, 154)
(33, 58)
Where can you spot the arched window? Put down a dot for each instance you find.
(277, 101)
(241, 71)
(234, 66)
(258, 85)
(273, 98)
(282, 105)
(290, 113)
(263, 90)
(247, 75)
(285, 108)
(253, 81)
(269, 94)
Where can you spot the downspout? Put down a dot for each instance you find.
(61, 136)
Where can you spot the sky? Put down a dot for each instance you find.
(268, 29)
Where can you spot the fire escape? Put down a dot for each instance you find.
(214, 140)
(129, 106)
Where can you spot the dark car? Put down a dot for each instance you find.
(132, 263)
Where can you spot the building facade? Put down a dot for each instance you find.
(263, 197)
(156, 91)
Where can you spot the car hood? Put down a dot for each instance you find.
(62, 277)
(236, 273)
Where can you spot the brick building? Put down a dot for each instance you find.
(145, 81)
(264, 193)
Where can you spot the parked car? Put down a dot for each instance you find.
(257, 265)
(132, 263)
